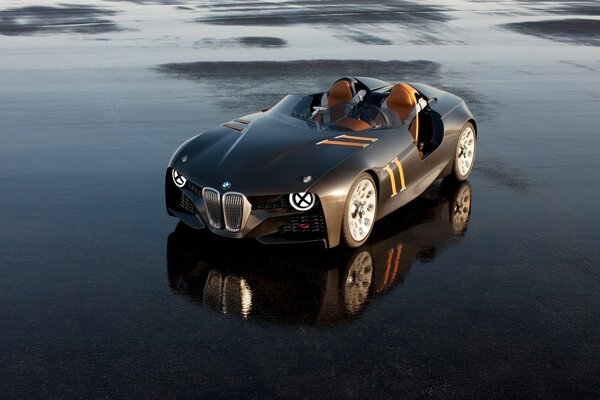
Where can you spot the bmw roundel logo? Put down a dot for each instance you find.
(225, 185)
(303, 201)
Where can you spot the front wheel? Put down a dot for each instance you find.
(360, 211)
(464, 155)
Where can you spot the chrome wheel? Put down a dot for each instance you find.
(465, 152)
(360, 214)
(358, 282)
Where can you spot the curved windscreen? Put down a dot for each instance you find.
(343, 116)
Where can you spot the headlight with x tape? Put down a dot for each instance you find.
(303, 201)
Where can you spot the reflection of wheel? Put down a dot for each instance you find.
(460, 209)
(358, 281)
(464, 156)
(359, 211)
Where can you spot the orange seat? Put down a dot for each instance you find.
(403, 99)
(353, 124)
(339, 92)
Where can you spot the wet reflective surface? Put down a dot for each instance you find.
(318, 287)
(102, 295)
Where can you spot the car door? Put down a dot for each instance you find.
(406, 175)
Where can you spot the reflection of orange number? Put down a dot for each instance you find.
(393, 178)
(393, 260)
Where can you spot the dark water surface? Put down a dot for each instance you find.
(32, 20)
(101, 297)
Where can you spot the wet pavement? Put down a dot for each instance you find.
(31, 20)
(487, 289)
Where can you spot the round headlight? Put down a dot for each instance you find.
(303, 201)
(178, 179)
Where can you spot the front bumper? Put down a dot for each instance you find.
(270, 219)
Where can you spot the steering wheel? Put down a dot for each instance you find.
(371, 114)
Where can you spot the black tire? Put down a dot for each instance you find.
(347, 235)
(459, 172)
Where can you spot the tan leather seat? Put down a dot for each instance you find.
(402, 99)
(339, 92)
(353, 124)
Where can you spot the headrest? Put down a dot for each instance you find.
(340, 91)
(402, 99)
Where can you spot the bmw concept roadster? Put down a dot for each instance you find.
(321, 167)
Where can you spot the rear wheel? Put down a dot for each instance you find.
(360, 211)
(464, 155)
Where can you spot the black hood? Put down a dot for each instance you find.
(272, 156)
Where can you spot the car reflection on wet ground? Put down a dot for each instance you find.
(488, 289)
(318, 287)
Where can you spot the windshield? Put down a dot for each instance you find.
(343, 116)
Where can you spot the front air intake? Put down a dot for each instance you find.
(212, 202)
(236, 209)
